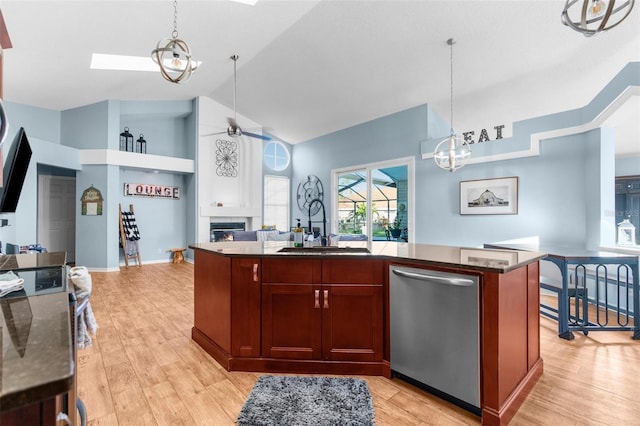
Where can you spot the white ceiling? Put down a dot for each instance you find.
(308, 68)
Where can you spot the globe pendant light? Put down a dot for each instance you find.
(173, 55)
(595, 15)
(453, 152)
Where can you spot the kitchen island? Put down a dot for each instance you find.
(271, 308)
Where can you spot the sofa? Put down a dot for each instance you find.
(262, 235)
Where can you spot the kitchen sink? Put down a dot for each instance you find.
(324, 249)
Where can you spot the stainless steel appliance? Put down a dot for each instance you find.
(435, 333)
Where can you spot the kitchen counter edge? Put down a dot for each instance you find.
(477, 259)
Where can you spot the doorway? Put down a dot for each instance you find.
(57, 214)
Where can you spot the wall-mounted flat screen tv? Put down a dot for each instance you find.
(15, 171)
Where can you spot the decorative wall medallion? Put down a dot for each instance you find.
(226, 158)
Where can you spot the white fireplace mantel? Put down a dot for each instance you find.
(241, 212)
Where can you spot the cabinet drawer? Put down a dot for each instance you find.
(291, 270)
(352, 271)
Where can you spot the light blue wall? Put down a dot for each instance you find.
(162, 123)
(565, 193)
(22, 227)
(389, 137)
(162, 222)
(629, 166)
(41, 123)
(97, 236)
(87, 127)
(169, 128)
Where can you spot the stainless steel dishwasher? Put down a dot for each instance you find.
(435, 333)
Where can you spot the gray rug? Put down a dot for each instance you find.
(289, 400)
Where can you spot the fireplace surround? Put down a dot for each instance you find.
(223, 231)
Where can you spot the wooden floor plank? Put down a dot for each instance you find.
(166, 405)
(143, 354)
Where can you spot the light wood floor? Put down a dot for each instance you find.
(144, 369)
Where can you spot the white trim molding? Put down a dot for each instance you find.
(534, 146)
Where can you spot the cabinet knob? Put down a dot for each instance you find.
(255, 272)
(317, 298)
(325, 299)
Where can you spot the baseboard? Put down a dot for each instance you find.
(503, 416)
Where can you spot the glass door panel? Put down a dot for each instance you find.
(373, 202)
(352, 202)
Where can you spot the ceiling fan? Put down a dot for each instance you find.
(234, 130)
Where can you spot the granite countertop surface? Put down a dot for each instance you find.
(480, 259)
(560, 251)
(35, 332)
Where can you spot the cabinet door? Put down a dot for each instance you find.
(352, 322)
(245, 307)
(291, 318)
(41, 413)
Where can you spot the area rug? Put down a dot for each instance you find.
(293, 400)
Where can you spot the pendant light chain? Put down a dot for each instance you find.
(450, 42)
(452, 152)
(235, 60)
(174, 34)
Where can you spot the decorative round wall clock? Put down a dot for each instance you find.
(309, 190)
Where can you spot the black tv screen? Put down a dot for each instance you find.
(15, 171)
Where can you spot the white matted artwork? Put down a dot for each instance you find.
(489, 196)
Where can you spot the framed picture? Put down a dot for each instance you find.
(489, 196)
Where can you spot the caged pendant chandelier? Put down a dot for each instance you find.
(453, 152)
(595, 16)
(173, 55)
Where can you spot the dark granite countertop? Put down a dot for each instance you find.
(479, 259)
(35, 335)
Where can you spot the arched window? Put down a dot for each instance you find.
(276, 156)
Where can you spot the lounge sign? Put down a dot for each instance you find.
(147, 190)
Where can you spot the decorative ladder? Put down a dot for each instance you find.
(129, 235)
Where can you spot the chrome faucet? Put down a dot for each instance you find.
(323, 238)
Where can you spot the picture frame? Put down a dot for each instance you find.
(489, 196)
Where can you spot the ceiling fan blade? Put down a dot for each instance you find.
(212, 134)
(257, 136)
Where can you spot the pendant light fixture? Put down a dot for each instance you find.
(453, 152)
(173, 55)
(595, 15)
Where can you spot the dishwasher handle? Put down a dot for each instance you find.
(460, 282)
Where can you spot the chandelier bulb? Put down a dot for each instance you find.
(597, 8)
(591, 17)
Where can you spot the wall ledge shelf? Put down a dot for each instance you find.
(133, 160)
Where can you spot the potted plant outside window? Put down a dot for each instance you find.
(396, 226)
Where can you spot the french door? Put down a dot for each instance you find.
(374, 201)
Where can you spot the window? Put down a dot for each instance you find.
(374, 200)
(276, 156)
(628, 206)
(276, 202)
